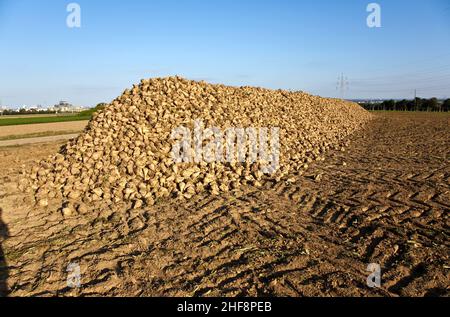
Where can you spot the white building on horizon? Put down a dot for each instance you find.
(64, 106)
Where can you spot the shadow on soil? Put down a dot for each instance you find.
(3, 267)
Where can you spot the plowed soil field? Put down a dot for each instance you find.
(385, 200)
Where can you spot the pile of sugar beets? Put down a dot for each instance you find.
(155, 140)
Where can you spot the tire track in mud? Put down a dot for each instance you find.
(315, 236)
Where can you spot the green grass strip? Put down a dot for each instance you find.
(36, 120)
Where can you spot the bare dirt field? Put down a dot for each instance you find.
(40, 139)
(385, 200)
(29, 129)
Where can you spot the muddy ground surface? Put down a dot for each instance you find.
(385, 200)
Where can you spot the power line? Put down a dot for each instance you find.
(428, 71)
(405, 81)
(412, 82)
(399, 89)
(414, 62)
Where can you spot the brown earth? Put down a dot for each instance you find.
(385, 200)
(41, 139)
(24, 129)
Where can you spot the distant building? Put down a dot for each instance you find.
(64, 106)
(35, 108)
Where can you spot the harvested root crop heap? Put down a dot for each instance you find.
(125, 153)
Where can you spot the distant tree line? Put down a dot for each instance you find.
(10, 112)
(418, 104)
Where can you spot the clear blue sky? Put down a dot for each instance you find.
(301, 45)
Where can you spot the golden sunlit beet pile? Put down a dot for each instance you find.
(124, 154)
